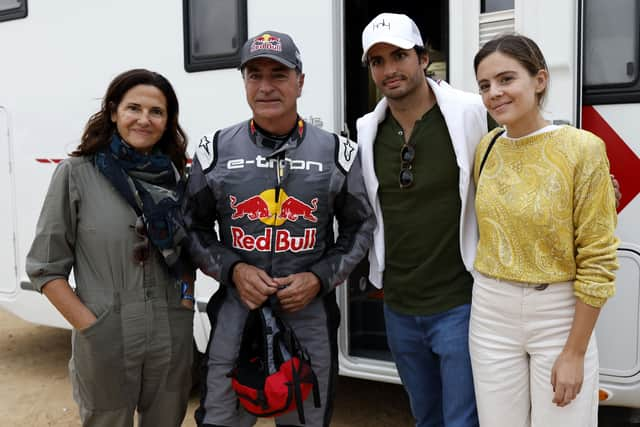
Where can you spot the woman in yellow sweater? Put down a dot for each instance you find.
(546, 255)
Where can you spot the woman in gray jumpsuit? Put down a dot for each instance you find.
(110, 215)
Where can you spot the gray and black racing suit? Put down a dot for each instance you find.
(274, 204)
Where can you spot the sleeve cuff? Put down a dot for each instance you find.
(226, 272)
(596, 295)
(39, 282)
(320, 271)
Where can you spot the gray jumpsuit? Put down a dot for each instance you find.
(138, 353)
(275, 208)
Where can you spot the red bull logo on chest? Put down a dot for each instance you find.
(264, 207)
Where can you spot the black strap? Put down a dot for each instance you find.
(486, 153)
(316, 391)
(297, 392)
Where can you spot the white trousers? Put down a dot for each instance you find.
(515, 335)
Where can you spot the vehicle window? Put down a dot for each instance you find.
(214, 33)
(611, 33)
(487, 6)
(496, 18)
(12, 9)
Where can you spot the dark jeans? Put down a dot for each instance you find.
(432, 356)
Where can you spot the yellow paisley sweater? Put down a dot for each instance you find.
(546, 212)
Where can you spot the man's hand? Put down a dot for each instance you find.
(297, 290)
(253, 284)
(567, 375)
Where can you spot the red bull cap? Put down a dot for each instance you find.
(273, 45)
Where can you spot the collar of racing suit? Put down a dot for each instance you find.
(280, 143)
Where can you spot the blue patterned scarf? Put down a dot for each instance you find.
(154, 189)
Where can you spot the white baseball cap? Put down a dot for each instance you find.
(393, 28)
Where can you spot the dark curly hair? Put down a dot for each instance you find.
(99, 129)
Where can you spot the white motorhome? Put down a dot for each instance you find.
(57, 57)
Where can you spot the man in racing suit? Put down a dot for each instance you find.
(274, 186)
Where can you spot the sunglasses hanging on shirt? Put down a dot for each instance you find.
(407, 155)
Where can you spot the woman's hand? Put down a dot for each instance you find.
(68, 304)
(187, 303)
(567, 375)
(86, 322)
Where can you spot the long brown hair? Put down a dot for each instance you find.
(99, 129)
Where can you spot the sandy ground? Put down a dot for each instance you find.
(35, 389)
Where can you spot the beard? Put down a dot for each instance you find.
(408, 86)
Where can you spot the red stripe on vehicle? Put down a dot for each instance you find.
(49, 160)
(59, 160)
(625, 165)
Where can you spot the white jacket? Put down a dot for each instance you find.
(466, 119)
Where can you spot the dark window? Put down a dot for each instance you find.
(214, 31)
(487, 6)
(12, 9)
(611, 51)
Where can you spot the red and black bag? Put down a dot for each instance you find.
(273, 374)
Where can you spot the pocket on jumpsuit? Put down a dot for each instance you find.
(97, 368)
(181, 326)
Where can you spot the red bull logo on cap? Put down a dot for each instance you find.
(266, 42)
(263, 207)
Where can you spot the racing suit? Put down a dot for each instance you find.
(274, 203)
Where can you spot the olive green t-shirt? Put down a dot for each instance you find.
(424, 273)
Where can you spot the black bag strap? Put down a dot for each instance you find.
(486, 153)
(316, 391)
(297, 392)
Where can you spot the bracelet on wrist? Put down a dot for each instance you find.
(184, 288)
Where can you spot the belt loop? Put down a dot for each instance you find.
(116, 301)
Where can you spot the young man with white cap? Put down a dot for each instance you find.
(273, 186)
(417, 149)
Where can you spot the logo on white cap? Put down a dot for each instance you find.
(392, 28)
(381, 24)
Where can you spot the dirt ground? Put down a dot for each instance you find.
(35, 389)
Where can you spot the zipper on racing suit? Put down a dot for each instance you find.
(275, 213)
(280, 162)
